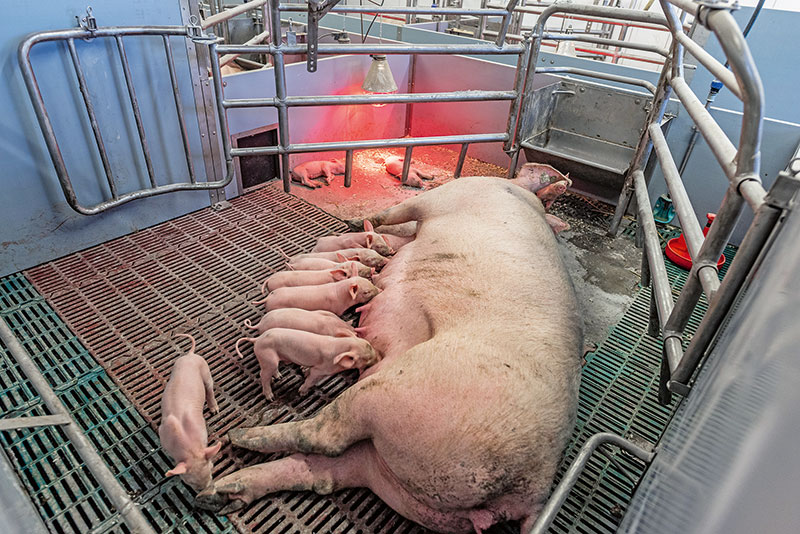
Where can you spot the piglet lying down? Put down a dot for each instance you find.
(322, 355)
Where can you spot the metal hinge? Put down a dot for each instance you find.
(88, 23)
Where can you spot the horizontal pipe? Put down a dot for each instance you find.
(714, 67)
(261, 37)
(753, 193)
(129, 511)
(603, 41)
(333, 100)
(375, 143)
(600, 75)
(680, 199)
(559, 495)
(652, 247)
(718, 142)
(15, 423)
(687, 5)
(602, 12)
(372, 10)
(228, 14)
(384, 49)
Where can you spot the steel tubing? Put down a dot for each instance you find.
(559, 495)
(129, 511)
(338, 49)
(372, 10)
(263, 36)
(603, 41)
(714, 67)
(513, 123)
(599, 75)
(348, 168)
(333, 100)
(613, 13)
(374, 143)
(228, 14)
(460, 163)
(179, 108)
(652, 248)
(501, 34)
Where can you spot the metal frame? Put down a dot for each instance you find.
(117, 33)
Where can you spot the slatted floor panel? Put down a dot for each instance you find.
(124, 300)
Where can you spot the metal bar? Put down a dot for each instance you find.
(599, 12)
(14, 423)
(412, 80)
(135, 106)
(333, 146)
(179, 108)
(460, 163)
(372, 10)
(513, 123)
(687, 5)
(501, 35)
(101, 148)
(339, 49)
(280, 94)
(680, 199)
(263, 36)
(715, 241)
(394, 98)
(559, 495)
(600, 40)
(599, 75)
(130, 513)
(230, 13)
(714, 67)
(348, 168)
(652, 248)
(216, 78)
(406, 164)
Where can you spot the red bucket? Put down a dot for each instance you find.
(677, 252)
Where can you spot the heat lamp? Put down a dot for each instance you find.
(379, 79)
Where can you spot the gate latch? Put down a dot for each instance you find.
(88, 23)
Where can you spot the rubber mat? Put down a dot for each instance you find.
(124, 300)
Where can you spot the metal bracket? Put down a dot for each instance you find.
(193, 29)
(782, 192)
(678, 388)
(88, 23)
(706, 6)
(316, 10)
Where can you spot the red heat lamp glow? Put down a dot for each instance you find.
(379, 105)
(379, 79)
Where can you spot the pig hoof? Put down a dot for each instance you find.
(220, 500)
(237, 436)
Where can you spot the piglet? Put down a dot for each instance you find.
(316, 169)
(366, 256)
(183, 432)
(323, 355)
(382, 244)
(336, 297)
(307, 278)
(394, 166)
(320, 322)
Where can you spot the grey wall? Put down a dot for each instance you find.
(36, 224)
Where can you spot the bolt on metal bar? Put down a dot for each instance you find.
(559, 495)
(84, 89)
(599, 75)
(228, 14)
(126, 69)
(460, 163)
(129, 511)
(348, 168)
(384, 49)
(333, 146)
(406, 164)
(395, 98)
(15, 423)
(179, 108)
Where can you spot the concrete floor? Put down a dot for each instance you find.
(605, 270)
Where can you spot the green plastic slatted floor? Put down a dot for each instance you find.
(65, 493)
(618, 394)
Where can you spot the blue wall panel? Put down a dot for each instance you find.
(36, 224)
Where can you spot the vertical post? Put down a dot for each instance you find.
(348, 168)
(501, 35)
(135, 106)
(92, 117)
(221, 113)
(461, 157)
(412, 69)
(280, 94)
(406, 165)
(179, 108)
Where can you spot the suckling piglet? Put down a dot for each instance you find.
(307, 278)
(366, 256)
(322, 355)
(183, 431)
(318, 322)
(336, 297)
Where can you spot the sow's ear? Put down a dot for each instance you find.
(339, 274)
(353, 289)
(212, 451)
(345, 359)
(179, 469)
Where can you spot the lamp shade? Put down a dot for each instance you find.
(379, 77)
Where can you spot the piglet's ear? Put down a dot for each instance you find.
(213, 450)
(368, 226)
(353, 270)
(370, 240)
(353, 289)
(177, 470)
(339, 274)
(340, 257)
(345, 359)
